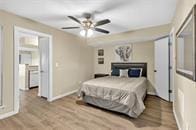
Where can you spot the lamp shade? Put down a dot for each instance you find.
(86, 33)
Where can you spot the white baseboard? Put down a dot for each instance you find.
(176, 118)
(151, 93)
(6, 115)
(24, 89)
(63, 95)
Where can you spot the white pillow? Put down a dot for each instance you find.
(124, 73)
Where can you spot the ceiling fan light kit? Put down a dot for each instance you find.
(86, 33)
(88, 26)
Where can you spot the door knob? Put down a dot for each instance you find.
(155, 70)
(41, 71)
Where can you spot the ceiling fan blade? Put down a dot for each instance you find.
(70, 27)
(74, 19)
(101, 30)
(102, 22)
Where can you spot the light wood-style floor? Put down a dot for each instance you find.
(69, 114)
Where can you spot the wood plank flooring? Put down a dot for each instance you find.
(70, 114)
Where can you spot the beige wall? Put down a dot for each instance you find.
(186, 86)
(74, 57)
(142, 52)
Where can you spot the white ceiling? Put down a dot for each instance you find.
(125, 15)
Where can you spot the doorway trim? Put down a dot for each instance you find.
(18, 30)
(172, 60)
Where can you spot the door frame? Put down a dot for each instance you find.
(17, 31)
(172, 72)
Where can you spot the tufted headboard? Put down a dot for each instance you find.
(124, 65)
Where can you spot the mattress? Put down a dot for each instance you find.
(121, 94)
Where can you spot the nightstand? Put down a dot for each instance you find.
(100, 75)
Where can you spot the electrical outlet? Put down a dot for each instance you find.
(57, 64)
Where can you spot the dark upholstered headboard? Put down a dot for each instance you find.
(119, 65)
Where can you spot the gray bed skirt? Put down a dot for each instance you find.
(110, 105)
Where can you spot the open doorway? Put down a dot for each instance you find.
(33, 64)
(29, 62)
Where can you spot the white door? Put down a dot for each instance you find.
(162, 68)
(44, 66)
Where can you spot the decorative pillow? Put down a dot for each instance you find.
(123, 72)
(115, 72)
(135, 72)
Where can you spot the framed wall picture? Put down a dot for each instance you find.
(100, 52)
(100, 60)
(123, 53)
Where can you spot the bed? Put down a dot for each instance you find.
(119, 94)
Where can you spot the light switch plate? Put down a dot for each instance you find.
(57, 64)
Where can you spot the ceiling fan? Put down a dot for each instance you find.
(88, 26)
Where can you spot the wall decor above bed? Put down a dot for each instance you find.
(123, 53)
(100, 60)
(100, 52)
